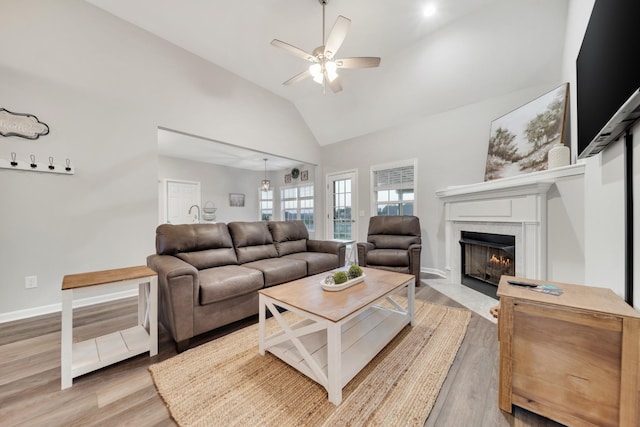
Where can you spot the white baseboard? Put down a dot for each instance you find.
(53, 308)
(435, 271)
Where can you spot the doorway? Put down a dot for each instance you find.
(342, 206)
(181, 198)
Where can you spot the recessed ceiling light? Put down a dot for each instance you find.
(429, 10)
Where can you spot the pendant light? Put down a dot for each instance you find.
(265, 184)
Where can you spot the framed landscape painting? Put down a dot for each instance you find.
(519, 141)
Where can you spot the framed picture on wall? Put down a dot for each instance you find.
(304, 176)
(520, 140)
(236, 200)
(287, 178)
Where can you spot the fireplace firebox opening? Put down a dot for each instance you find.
(485, 258)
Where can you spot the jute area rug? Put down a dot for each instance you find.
(226, 382)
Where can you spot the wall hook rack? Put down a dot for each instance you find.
(34, 166)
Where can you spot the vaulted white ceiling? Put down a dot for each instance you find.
(469, 51)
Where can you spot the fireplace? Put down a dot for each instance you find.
(485, 257)
(513, 206)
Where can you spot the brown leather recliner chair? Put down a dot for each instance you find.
(393, 243)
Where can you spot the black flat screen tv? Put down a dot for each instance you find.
(608, 79)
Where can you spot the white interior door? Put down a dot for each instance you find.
(342, 206)
(180, 197)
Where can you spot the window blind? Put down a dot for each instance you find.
(393, 179)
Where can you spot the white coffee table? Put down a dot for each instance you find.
(341, 331)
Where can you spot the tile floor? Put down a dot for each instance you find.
(464, 295)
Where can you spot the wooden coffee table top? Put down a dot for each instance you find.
(307, 293)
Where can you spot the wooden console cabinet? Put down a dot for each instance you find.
(573, 358)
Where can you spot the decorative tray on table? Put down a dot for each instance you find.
(341, 286)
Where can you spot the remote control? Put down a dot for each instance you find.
(517, 283)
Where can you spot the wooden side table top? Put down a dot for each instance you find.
(72, 281)
(602, 300)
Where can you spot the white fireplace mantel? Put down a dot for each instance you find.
(514, 206)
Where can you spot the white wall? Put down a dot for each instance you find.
(103, 87)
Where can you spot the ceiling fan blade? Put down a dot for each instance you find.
(334, 85)
(336, 36)
(294, 50)
(298, 77)
(359, 62)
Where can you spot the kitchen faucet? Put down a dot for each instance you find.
(198, 217)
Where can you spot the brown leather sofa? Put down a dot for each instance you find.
(393, 243)
(209, 274)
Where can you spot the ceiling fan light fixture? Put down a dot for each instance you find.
(315, 70)
(318, 71)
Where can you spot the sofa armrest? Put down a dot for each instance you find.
(170, 266)
(330, 247)
(178, 283)
(363, 248)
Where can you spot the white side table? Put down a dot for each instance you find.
(82, 357)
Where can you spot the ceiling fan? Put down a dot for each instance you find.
(324, 64)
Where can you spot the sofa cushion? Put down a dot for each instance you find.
(388, 257)
(252, 241)
(291, 247)
(317, 262)
(221, 283)
(201, 245)
(279, 270)
(209, 258)
(289, 236)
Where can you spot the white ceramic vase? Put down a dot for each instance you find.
(558, 156)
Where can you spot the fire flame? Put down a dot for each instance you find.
(502, 261)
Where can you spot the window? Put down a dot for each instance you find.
(297, 204)
(266, 205)
(394, 188)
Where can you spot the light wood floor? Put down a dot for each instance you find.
(123, 394)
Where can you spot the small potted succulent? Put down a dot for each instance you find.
(340, 277)
(354, 271)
